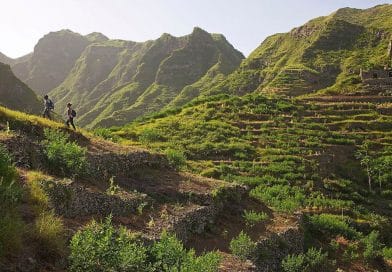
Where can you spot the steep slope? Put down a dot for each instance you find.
(140, 191)
(324, 54)
(53, 58)
(14, 94)
(5, 59)
(116, 81)
(296, 155)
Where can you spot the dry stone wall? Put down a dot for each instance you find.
(270, 251)
(71, 200)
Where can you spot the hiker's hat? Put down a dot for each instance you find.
(69, 104)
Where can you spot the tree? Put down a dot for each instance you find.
(363, 154)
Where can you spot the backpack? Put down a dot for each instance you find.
(51, 105)
(73, 113)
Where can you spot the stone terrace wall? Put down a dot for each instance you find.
(102, 166)
(271, 250)
(71, 200)
(193, 222)
(105, 165)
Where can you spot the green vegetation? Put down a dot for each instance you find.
(49, 232)
(281, 148)
(11, 225)
(101, 247)
(373, 247)
(136, 78)
(64, 156)
(332, 224)
(328, 157)
(252, 218)
(242, 246)
(312, 260)
(176, 158)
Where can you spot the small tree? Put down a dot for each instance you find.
(382, 169)
(363, 154)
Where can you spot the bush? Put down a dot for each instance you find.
(168, 252)
(7, 170)
(294, 263)
(106, 134)
(252, 217)
(62, 154)
(332, 224)
(176, 158)
(100, 247)
(312, 260)
(170, 255)
(242, 246)
(387, 253)
(11, 226)
(150, 135)
(281, 197)
(373, 248)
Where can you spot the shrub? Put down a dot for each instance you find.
(169, 252)
(281, 197)
(100, 247)
(332, 224)
(170, 255)
(49, 231)
(11, 229)
(294, 263)
(62, 154)
(106, 134)
(316, 259)
(176, 158)
(208, 262)
(242, 246)
(11, 226)
(312, 260)
(150, 135)
(387, 253)
(7, 170)
(373, 248)
(252, 217)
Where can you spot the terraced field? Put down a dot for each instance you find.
(295, 155)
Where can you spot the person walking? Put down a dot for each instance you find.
(48, 107)
(71, 114)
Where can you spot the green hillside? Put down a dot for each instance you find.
(297, 155)
(14, 94)
(114, 82)
(326, 156)
(323, 56)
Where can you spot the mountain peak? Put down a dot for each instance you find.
(96, 37)
(197, 30)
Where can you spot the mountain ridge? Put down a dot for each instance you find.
(15, 94)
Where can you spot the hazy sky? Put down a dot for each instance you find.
(245, 23)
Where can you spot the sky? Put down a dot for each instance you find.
(245, 23)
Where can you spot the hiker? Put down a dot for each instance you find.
(48, 107)
(71, 113)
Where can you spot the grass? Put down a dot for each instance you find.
(50, 233)
(36, 194)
